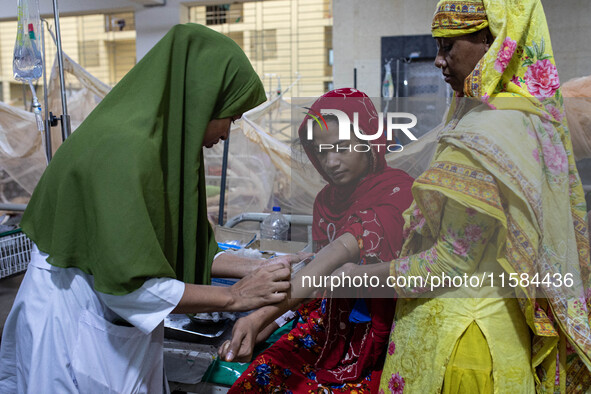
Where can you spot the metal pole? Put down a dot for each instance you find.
(223, 181)
(13, 207)
(47, 135)
(397, 81)
(65, 118)
(259, 217)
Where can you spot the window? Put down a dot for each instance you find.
(238, 37)
(294, 47)
(123, 21)
(102, 43)
(327, 8)
(223, 13)
(329, 51)
(264, 44)
(236, 14)
(121, 55)
(89, 53)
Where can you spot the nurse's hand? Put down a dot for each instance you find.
(266, 285)
(241, 346)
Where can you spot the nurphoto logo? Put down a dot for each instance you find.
(345, 130)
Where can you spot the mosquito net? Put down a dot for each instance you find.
(265, 165)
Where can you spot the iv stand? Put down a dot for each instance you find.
(51, 120)
(64, 118)
(223, 182)
(47, 134)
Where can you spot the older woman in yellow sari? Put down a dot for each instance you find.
(501, 202)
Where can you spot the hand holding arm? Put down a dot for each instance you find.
(332, 256)
(459, 247)
(267, 285)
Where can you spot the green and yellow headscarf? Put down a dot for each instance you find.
(124, 197)
(518, 73)
(458, 18)
(519, 63)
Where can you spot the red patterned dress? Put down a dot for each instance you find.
(329, 351)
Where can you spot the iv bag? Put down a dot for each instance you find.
(27, 63)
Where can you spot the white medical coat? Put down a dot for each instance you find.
(60, 337)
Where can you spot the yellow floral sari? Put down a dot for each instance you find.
(506, 153)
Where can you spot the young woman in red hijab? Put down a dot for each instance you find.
(340, 344)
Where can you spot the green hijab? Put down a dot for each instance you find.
(124, 197)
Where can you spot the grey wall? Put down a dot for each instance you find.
(357, 31)
(569, 22)
(151, 24)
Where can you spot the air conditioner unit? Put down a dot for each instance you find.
(149, 3)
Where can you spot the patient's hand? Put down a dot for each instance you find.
(266, 332)
(244, 335)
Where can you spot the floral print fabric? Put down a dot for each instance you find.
(461, 239)
(329, 348)
(289, 365)
(459, 248)
(520, 137)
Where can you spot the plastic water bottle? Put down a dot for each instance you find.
(275, 226)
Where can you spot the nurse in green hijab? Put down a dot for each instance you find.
(120, 225)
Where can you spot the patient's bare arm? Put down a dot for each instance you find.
(342, 250)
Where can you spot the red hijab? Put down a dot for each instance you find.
(371, 210)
